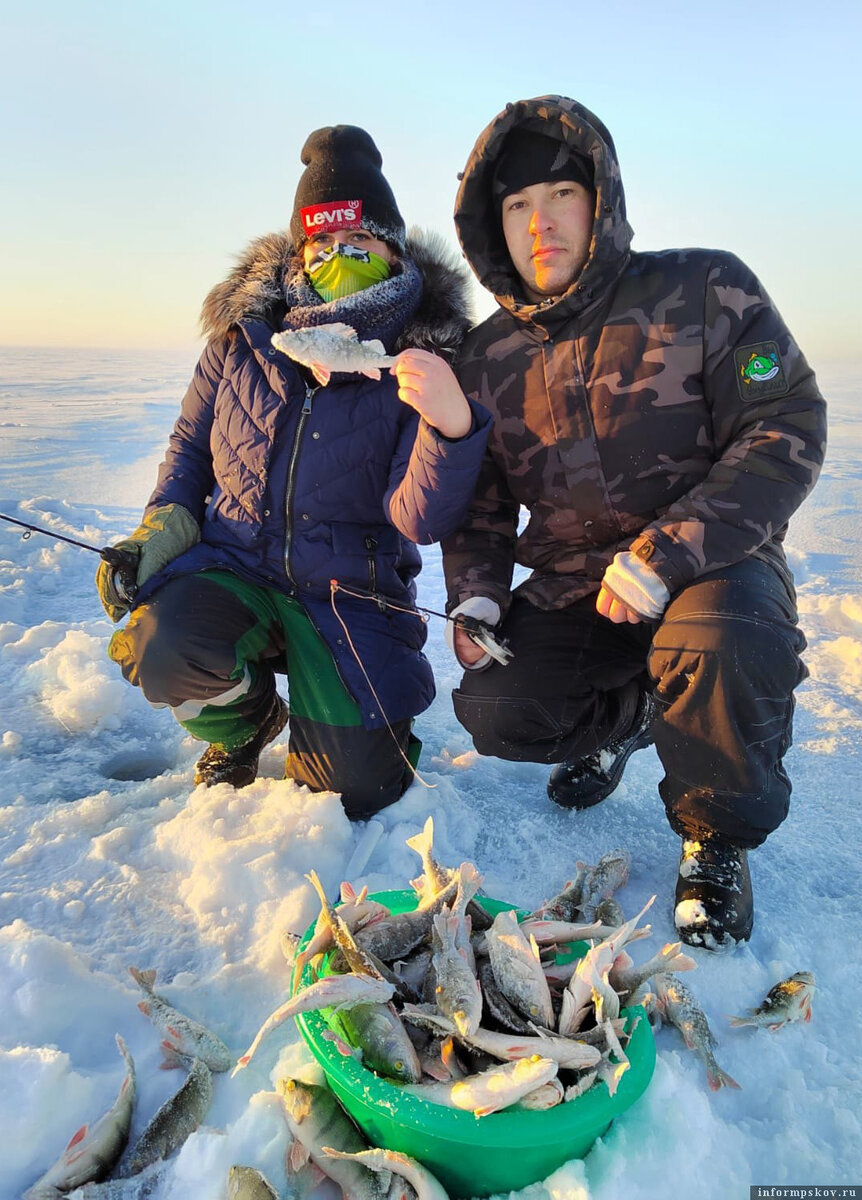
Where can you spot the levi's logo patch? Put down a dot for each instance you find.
(336, 214)
(759, 371)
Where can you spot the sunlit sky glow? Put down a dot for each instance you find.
(143, 146)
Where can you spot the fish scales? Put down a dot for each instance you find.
(316, 1119)
(176, 1120)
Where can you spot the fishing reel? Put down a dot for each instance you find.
(125, 571)
(483, 635)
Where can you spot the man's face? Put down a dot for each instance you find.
(360, 238)
(548, 228)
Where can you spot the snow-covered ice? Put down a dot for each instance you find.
(110, 859)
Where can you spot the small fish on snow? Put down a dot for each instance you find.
(677, 1004)
(333, 347)
(184, 1037)
(95, 1149)
(789, 1000)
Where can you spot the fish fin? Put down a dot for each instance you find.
(76, 1138)
(340, 1045)
(371, 372)
(297, 1156)
(144, 979)
(320, 373)
(339, 329)
(348, 892)
(736, 1022)
(718, 1079)
(144, 1006)
(241, 1062)
(484, 1110)
(171, 1057)
(534, 946)
(807, 1016)
(420, 842)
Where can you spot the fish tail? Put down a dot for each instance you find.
(717, 1079)
(144, 979)
(423, 841)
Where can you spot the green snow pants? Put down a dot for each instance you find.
(208, 645)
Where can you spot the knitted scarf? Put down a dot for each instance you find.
(380, 311)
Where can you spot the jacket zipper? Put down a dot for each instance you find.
(291, 471)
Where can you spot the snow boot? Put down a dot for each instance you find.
(583, 782)
(239, 766)
(714, 904)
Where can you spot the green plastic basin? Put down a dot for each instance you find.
(476, 1156)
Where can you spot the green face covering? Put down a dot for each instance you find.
(341, 269)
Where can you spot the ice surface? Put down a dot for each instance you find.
(110, 859)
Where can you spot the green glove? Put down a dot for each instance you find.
(163, 535)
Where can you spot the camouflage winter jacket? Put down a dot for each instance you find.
(660, 405)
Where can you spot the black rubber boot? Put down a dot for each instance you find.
(583, 782)
(239, 766)
(714, 907)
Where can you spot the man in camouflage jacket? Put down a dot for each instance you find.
(659, 423)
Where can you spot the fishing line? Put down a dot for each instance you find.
(335, 586)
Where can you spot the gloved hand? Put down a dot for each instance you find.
(631, 591)
(469, 655)
(163, 535)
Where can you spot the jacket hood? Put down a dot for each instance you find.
(255, 288)
(478, 223)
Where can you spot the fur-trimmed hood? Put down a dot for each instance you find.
(255, 288)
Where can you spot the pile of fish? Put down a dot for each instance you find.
(460, 1008)
(472, 1011)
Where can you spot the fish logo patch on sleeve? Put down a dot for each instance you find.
(759, 371)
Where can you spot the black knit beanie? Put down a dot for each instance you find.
(343, 187)
(528, 158)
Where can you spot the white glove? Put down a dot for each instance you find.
(483, 608)
(635, 584)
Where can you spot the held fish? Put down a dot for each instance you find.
(333, 991)
(95, 1149)
(790, 1000)
(333, 347)
(184, 1037)
(426, 1186)
(175, 1121)
(316, 1119)
(677, 1004)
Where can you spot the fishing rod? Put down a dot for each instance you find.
(477, 631)
(123, 562)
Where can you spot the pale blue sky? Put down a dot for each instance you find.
(143, 145)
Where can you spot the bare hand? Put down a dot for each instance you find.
(427, 383)
(466, 650)
(608, 606)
